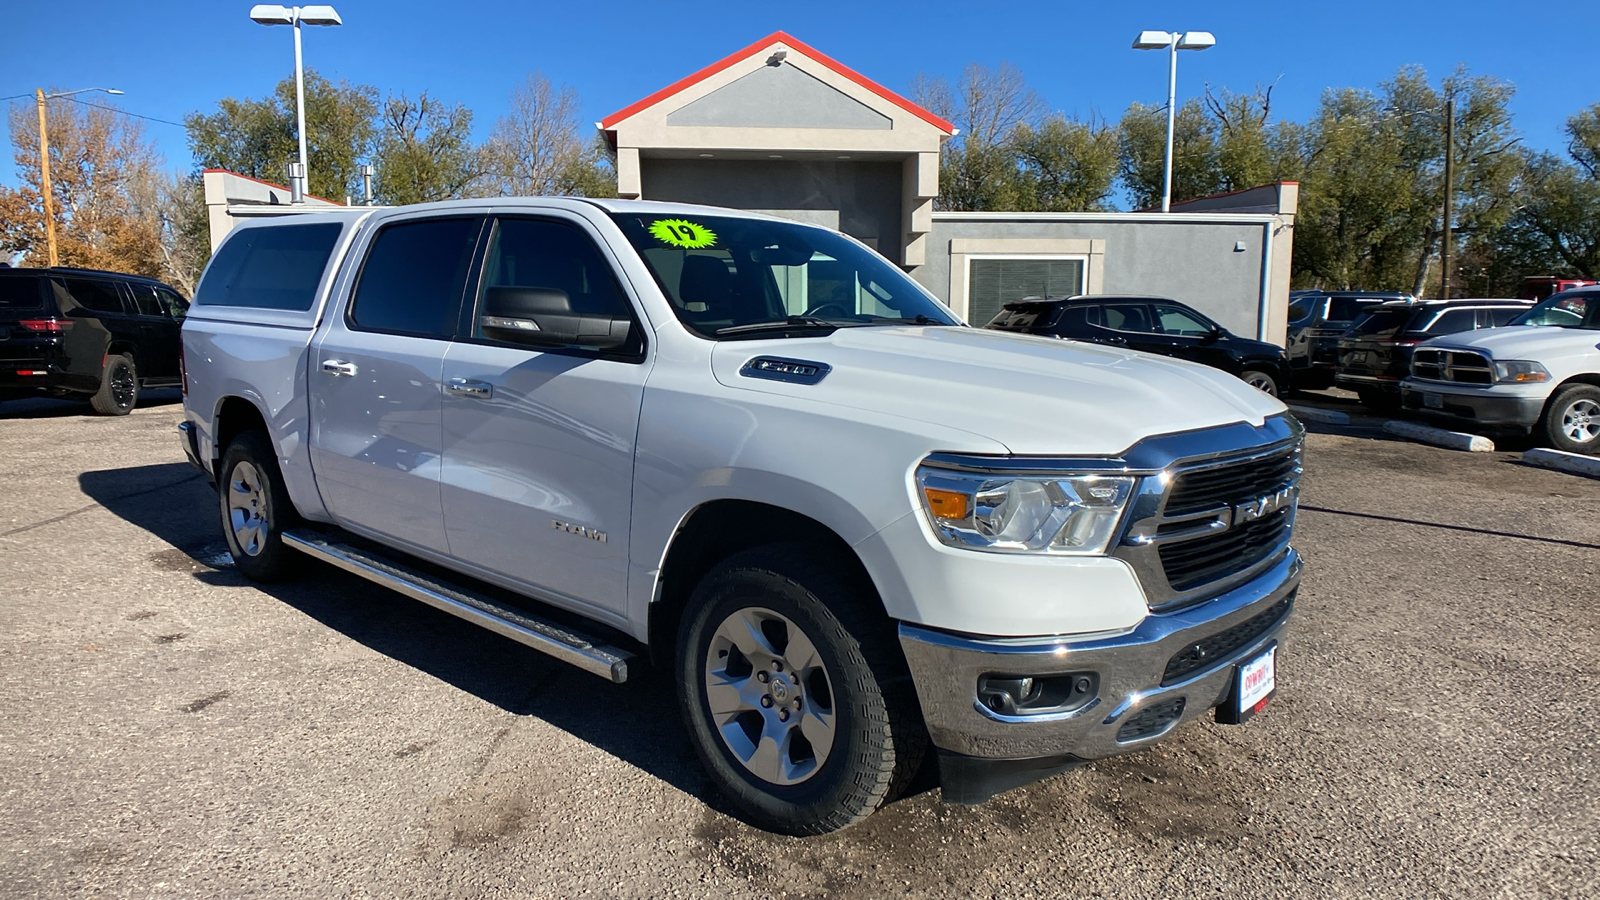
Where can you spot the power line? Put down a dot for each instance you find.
(100, 106)
(126, 113)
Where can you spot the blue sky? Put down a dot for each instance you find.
(176, 57)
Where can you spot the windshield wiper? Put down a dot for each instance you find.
(793, 323)
(918, 319)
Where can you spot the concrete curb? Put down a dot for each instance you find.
(1575, 463)
(1453, 440)
(1326, 416)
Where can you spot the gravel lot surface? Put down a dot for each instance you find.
(167, 729)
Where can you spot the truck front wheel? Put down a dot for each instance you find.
(1572, 419)
(255, 509)
(794, 692)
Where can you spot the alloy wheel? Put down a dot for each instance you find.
(770, 696)
(1580, 421)
(247, 507)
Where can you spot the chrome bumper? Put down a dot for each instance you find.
(1130, 668)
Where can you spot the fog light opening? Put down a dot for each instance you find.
(1037, 695)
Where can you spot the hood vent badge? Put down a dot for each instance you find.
(776, 368)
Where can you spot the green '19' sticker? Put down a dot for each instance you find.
(682, 233)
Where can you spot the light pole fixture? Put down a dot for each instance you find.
(44, 167)
(1172, 42)
(266, 14)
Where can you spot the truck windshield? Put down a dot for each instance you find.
(729, 277)
(1565, 311)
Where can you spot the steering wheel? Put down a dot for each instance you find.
(838, 308)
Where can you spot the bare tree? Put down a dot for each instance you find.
(978, 170)
(537, 148)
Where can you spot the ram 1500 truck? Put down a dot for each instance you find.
(1539, 374)
(755, 458)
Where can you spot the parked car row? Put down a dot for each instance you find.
(102, 336)
(1375, 353)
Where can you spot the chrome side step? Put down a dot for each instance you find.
(519, 625)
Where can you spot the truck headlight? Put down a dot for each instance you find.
(1073, 515)
(1519, 371)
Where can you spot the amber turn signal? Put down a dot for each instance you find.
(946, 504)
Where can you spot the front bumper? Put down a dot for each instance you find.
(1130, 666)
(1479, 406)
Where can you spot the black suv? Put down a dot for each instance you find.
(81, 332)
(1152, 324)
(1376, 352)
(1317, 319)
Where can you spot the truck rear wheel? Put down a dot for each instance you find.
(794, 692)
(255, 509)
(1572, 419)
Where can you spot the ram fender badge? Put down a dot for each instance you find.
(579, 530)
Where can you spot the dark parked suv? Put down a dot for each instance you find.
(1317, 319)
(1152, 324)
(80, 332)
(1375, 354)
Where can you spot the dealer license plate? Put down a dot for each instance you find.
(1432, 400)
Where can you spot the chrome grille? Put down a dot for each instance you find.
(1456, 366)
(1204, 526)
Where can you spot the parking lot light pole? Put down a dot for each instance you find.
(1172, 42)
(44, 167)
(266, 14)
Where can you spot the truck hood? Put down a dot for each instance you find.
(1523, 341)
(1035, 395)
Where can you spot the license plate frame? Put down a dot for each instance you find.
(1255, 684)
(1432, 400)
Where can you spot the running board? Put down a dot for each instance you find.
(519, 625)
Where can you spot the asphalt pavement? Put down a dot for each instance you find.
(170, 730)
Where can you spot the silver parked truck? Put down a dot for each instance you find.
(754, 458)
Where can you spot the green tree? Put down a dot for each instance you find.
(424, 151)
(256, 138)
(1195, 166)
(1065, 165)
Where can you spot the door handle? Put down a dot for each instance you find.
(338, 367)
(466, 388)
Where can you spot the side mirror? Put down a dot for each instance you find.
(1216, 333)
(543, 317)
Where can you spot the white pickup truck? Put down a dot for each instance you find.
(754, 458)
(1541, 374)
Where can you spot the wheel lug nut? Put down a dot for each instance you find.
(793, 678)
(797, 703)
(777, 666)
(761, 677)
(766, 701)
(783, 715)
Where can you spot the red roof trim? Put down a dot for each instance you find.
(267, 183)
(777, 37)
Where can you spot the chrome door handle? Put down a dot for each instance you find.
(468, 388)
(338, 367)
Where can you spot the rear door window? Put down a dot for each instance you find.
(145, 300)
(1127, 317)
(271, 267)
(20, 292)
(413, 278)
(1454, 321)
(175, 305)
(92, 293)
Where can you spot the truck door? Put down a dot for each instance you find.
(374, 381)
(537, 473)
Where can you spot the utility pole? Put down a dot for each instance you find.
(44, 185)
(1449, 196)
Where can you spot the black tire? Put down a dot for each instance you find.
(256, 509)
(1571, 419)
(1261, 381)
(877, 739)
(119, 387)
